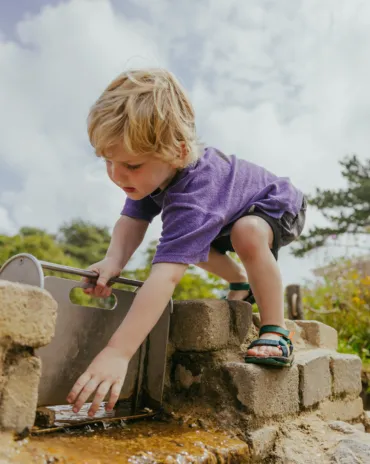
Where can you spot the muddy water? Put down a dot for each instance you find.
(125, 442)
(139, 443)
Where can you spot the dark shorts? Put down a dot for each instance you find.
(286, 229)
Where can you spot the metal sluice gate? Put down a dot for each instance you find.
(81, 332)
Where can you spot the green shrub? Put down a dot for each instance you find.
(343, 302)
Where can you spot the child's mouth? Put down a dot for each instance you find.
(128, 189)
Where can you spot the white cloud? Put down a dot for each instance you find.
(65, 56)
(7, 226)
(280, 83)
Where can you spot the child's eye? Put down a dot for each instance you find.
(133, 167)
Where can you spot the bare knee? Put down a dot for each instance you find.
(249, 235)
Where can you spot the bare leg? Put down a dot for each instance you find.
(225, 267)
(252, 238)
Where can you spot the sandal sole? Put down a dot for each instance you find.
(283, 362)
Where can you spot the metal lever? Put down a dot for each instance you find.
(89, 274)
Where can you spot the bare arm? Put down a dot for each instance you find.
(107, 371)
(128, 233)
(147, 307)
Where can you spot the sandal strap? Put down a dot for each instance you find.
(239, 286)
(275, 329)
(286, 347)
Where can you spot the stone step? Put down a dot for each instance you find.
(316, 376)
(209, 325)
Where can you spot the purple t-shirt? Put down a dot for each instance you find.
(206, 197)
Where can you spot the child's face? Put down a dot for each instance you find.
(138, 177)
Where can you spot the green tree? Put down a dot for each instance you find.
(83, 241)
(343, 302)
(348, 210)
(36, 242)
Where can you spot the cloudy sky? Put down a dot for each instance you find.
(282, 84)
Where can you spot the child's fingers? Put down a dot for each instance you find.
(114, 394)
(104, 293)
(100, 394)
(87, 287)
(88, 389)
(78, 386)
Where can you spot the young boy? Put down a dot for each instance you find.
(143, 126)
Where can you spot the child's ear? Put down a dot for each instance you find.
(183, 151)
(178, 161)
(181, 155)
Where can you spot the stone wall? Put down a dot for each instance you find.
(206, 373)
(27, 321)
(206, 368)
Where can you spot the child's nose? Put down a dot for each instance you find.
(118, 173)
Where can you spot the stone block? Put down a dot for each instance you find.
(343, 410)
(184, 378)
(241, 321)
(263, 441)
(265, 392)
(3, 351)
(351, 451)
(297, 339)
(314, 376)
(19, 397)
(27, 314)
(346, 371)
(200, 325)
(318, 334)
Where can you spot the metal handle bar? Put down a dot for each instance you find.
(89, 274)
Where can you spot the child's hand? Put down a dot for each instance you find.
(106, 372)
(107, 268)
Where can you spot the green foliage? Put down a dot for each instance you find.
(348, 210)
(343, 302)
(40, 244)
(84, 242)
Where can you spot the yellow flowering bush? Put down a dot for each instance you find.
(342, 300)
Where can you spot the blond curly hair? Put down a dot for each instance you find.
(149, 113)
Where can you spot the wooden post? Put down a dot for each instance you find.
(293, 297)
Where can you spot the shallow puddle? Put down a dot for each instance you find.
(145, 442)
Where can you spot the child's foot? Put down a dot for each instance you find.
(265, 351)
(237, 294)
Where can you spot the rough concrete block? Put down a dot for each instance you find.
(265, 392)
(297, 339)
(241, 321)
(27, 314)
(3, 351)
(200, 325)
(344, 410)
(346, 371)
(263, 441)
(314, 376)
(19, 398)
(319, 335)
(185, 378)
